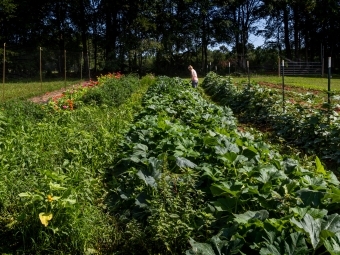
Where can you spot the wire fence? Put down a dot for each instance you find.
(43, 63)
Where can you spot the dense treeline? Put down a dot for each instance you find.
(163, 35)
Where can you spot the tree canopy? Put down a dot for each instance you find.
(162, 35)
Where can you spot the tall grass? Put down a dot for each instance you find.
(52, 164)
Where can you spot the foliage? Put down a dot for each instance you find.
(51, 177)
(109, 90)
(165, 36)
(313, 128)
(184, 173)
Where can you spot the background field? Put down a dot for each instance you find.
(27, 89)
(318, 83)
(24, 90)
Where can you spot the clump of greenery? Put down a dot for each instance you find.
(190, 182)
(51, 173)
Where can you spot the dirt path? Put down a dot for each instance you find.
(48, 95)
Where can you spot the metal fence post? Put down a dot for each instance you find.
(40, 72)
(81, 65)
(283, 85)
(65, 67)
(248, 73)
(329, 80)
(3, 74)
(229, 69)
(88, 64)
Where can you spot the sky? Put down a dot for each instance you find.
(256, 40)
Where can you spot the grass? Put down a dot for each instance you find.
(24, 90)
(317, 83)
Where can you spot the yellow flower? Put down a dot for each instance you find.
(45, 218)
(49, 198)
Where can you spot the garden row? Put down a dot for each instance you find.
(184, 174)
(52, 161)
(302, 122)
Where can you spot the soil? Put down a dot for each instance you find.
(48, 95)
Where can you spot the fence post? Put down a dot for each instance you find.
(3, 74)
(65, 68)
(329, 89)
(248, 73)
(329, 80)
(229, 69)
(322, 61)
(88, 64)
(81, 65)
(40, 73)
(283, 85)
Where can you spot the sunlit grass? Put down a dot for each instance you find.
(317, 83)
(26, 90)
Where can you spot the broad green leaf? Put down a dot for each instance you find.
(141, 200)
(156, 167)
(221, 150)
(251, 215)
(319, 167)
(183, 163)
(229, 147)
(231, 188)
(225, 204)
(178, 153)
(295, 244)
(290, 186)
(278, 224)
(332, 223)
(26, 194)
(231, 156)
(140, 150)
(149, 180)
(270, 172)
(67, 201)
(210, 141)
(333, 179)
(134, 158)
(55, 175)
(56, 186)
(311, 226)
(199, 248)
(315, 213)
(67, 193)
(334, 196)
(310, 197)
(290, 165)
(316, 183)
(250, 152)
(270, 250)
(332, 244)
(251, 189)
(207, 171)
(241, 159)
(225, 246)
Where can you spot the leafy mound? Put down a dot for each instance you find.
(186, 175)
(311, 128)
